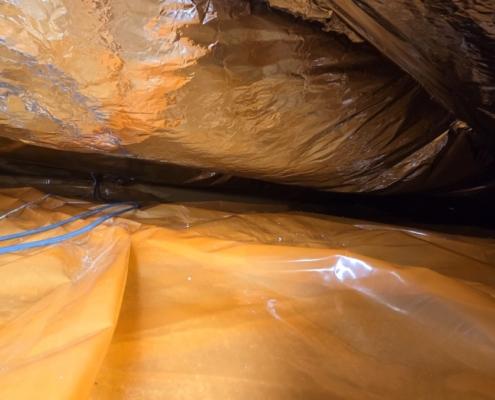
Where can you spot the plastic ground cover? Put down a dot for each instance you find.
(183, 301)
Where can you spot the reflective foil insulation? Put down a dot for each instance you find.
(224, 86)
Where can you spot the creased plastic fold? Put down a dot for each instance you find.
(58, 305)
(288, 306)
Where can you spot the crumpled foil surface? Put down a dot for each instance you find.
(446, 45)
(225, 86)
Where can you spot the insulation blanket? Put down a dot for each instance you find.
(228, 87)
(179, 301)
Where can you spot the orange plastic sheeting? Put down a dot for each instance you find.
(218, 319)
(58, 305)
(250, 305)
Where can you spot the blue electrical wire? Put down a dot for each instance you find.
(46, 228)
(69, 235)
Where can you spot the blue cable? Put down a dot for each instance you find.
(69, 235)
(46, 228)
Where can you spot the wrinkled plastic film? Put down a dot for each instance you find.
(59, 304)
(282, 322)
(291, 306)
(241, 304)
